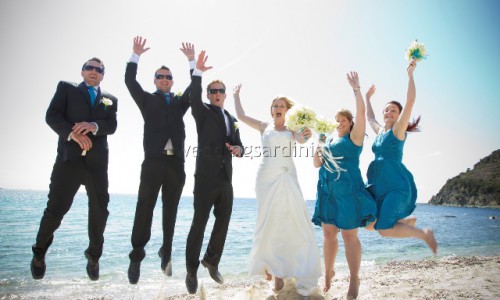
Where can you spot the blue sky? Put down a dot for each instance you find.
(301, 49)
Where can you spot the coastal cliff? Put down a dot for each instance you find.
(477, 187)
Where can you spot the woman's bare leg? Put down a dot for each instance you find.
(330, 249)
(403, 230)
(353, 256)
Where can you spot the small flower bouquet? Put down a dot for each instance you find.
(299, 117)
(416, 51)
(324, 127)
(107, 102)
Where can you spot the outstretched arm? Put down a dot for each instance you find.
(188, 50)
(133, 86)
(370, 115)
(240, 112)
(399, 128)
(358, 130)
(197, 105)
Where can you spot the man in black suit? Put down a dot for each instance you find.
(83, 116)
(218, 141)
(163, 165)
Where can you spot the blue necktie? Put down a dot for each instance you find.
(92, 95)
(167, 97)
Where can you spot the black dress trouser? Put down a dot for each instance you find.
(66, 179)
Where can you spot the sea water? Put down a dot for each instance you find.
(459, 231)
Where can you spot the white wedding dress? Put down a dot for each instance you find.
(284, 243)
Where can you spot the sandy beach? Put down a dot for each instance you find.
(470, 277)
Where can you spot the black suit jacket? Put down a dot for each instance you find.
(162, 121)
(70, 105)
(211, 127)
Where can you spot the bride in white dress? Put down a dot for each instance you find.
(284, 244)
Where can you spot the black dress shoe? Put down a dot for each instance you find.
(92, 267)
(166, 266)
(191, 283)
(214, 272)
(134, 272)
(38, 268)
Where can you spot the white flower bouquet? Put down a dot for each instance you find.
(299, 117)
(416, 51)
(324, 127)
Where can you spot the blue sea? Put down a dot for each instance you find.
(459, 231)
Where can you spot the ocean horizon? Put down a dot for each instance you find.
(460, 231)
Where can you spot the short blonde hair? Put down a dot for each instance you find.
(215, 81)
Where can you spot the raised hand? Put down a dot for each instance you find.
(236, 90)
(188, 50)
(200, 63)
(353, 79)
(371, 91)
(139, 44)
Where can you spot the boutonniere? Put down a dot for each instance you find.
(107, 102)
(236, 125)
(178, 94)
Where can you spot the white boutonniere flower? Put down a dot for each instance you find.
(178, 94)
(107, 102)
(236, 125)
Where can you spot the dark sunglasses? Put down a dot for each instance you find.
(160, 76)
(214, 91)
(97, 69)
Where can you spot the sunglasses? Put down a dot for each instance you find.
(160, 76)
(214, 91)
(97, 69)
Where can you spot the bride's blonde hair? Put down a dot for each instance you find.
(289, 103)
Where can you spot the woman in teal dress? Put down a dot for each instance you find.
(390, 183)
(342, 200)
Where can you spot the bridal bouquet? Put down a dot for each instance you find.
(299, 117)
(416, 51)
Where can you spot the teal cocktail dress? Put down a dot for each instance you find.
(342, 199)
(390, 182)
